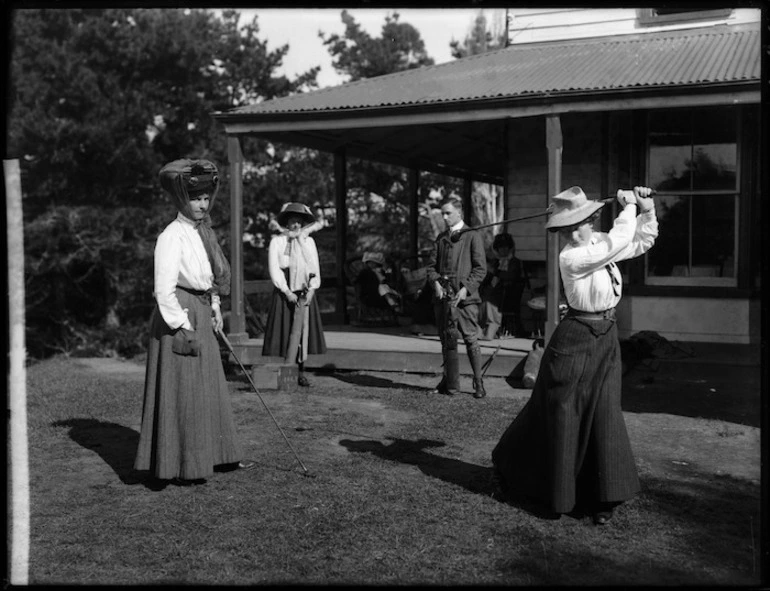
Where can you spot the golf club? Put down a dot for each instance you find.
(230, 348)
(546, 211)
(489, 361)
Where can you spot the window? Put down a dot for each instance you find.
(668, 16)
(692, 161)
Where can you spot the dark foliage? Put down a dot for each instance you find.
(99, 100)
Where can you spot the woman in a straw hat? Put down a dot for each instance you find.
(568, 447)
(187, 422)
(296, 275)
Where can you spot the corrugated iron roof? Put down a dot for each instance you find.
(713, 55)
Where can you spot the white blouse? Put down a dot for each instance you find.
(278, 260)
(180, 259)
(588, 284)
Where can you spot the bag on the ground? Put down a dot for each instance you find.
(532, 365)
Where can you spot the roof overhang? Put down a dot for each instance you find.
(462, 138)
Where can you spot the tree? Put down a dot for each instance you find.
(482, 37)
(99, 100)
(358, 55)
(377, 193)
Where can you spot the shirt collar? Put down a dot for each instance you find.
(458, 226)
(185, 219)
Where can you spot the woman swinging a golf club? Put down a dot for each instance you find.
(569, 446)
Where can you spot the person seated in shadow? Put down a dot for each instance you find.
(372, 281)
(501, 290)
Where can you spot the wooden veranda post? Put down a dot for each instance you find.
(414, 215)
(237, 325)
(468, 200)
(340, 201)
(553, 142)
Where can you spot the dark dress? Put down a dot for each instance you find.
(569, 443)
(502, 301)
(278, 328)
(280, 316)
(368, 285)
(187, 422)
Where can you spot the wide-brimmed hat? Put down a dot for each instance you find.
(374, 257)
(571, 207)
(299, 209)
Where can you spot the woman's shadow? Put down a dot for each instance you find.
(115, 444)
(477, 479)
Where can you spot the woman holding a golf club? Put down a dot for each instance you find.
(568, 447)
(187, 422)
(293, 329)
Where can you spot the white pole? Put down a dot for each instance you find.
(17, 377)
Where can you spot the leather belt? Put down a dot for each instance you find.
(608, 314)
(204, 295)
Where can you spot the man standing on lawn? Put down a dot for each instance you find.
(457, 266)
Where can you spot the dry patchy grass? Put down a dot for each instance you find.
(401, 493)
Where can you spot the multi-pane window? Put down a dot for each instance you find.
(667, 16)
(692, 163)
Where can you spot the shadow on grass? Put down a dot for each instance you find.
(708, 526)
(472, 477)
(115, 444)
(477, 479)
(719, 392)
(369, 381)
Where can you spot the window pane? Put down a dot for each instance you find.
(670, 150)
(670, 254)
(715, 151)
(713, 236)
(669, 167)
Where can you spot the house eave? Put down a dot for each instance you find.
(493, 108)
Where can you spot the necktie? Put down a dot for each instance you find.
(611, 268)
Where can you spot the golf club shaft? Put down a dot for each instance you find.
(232, 352)
(524, 217)
(534, 215)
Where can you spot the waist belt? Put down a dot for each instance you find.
(204, 295)
(608, 314)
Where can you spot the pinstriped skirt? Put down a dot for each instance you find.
(569, 444)
(280, 318)
(187, 420)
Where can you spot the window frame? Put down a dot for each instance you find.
(650, 17)
(700, 281)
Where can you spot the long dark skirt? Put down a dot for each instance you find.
(569, 444)
(280, 318)
(187, 421)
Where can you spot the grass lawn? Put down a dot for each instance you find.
(401, 493)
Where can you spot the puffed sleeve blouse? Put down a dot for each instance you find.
(180, 259)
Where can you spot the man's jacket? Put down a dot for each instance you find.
(463, 261)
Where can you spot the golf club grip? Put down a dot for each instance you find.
(611, 199)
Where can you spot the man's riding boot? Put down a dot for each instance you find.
(474, 356)
(450, 383)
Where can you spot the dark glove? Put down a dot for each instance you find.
(185, 343)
